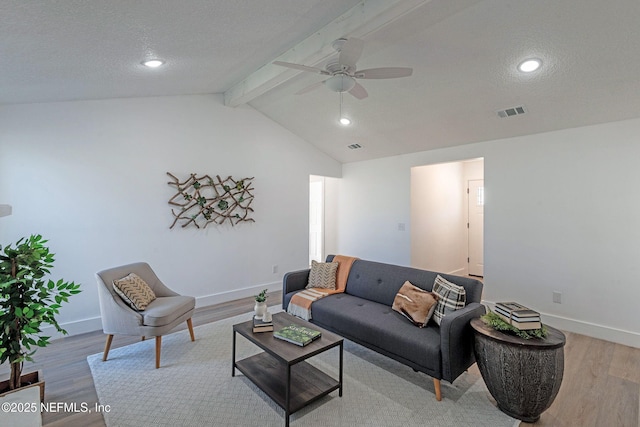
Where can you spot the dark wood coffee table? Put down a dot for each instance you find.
(281, 370)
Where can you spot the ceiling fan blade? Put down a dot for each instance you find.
(300, 67)
(383, 73)
(350, 52)
(358, 91)
(309, 88)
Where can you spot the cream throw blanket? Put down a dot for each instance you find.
(300, 304)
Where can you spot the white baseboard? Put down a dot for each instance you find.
(458, 272)
(594, 330)
(607, 333)
(95, 323)
(235, 294)
(74, 328)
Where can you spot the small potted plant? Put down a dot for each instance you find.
(261, 304)
(27, 301)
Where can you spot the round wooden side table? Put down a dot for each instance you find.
(523, 376)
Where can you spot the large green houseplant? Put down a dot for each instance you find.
(28, 300)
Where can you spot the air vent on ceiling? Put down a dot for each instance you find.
(354, 146)
(514, 111)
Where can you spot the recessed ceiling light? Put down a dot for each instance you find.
(345, 121)
(153, 63)
(529, 65)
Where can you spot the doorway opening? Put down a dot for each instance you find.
(323, 217)
(447, 217)
(316, 218)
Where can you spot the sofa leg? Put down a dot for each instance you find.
(158, 347)
(107, 346)
(436, 386)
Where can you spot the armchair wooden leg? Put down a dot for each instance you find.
(107, 346)
(190, 325)
(143, 338)
(436, 386)
(158, 347)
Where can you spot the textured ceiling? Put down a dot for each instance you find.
(92, 49)
(464, 54)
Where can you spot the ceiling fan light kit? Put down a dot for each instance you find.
(340, 83)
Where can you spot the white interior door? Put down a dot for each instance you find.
(476, 227)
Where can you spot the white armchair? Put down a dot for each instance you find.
(162, 315)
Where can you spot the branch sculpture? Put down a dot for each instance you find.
(201, 200)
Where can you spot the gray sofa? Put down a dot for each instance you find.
(363, 315)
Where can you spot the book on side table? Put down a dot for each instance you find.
(260, 325)
(298, 335)
(518, 315)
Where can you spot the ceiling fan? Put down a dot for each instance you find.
(343, 70)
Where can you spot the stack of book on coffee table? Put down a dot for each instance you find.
(260, 325)
(518, 315)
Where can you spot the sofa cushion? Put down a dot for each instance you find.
(164, 310)
(380, 282)
(134, 291)
(322, 275)
(377, 325)
(451, 297)
(415, 304)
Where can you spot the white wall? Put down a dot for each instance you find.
(562, 214)
(91, 177)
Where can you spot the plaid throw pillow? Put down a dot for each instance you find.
(134, 291)
(451, 297)
(323, 275)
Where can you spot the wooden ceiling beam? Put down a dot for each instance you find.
(365, 18)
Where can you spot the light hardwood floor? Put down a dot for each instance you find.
(601, 385)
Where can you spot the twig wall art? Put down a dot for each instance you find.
(201, 200)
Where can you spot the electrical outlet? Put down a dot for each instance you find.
(401, 226)
(274, 269)
(557, 297)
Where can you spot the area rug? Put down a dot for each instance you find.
(194, 387)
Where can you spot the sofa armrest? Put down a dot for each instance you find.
(456, 340)
(292, 282)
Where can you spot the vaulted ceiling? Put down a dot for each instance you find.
(464, 55)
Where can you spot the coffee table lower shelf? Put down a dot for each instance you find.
(307, 384)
